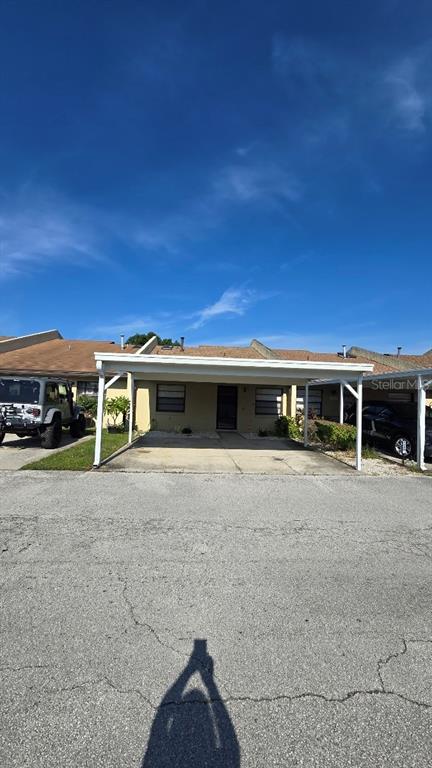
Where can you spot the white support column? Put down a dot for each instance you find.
(306, 415)
(421, 422)
(99, 418)
(341, 403)
(359, 422)
(132, 404)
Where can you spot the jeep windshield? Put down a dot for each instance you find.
(19, 391)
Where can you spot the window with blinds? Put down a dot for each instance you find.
(87, 388)
(315, 400)
(170, 398)
(268, 401)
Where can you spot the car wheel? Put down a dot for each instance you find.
(2, 437)
(403, 446)
(78, 426)
(52, 435)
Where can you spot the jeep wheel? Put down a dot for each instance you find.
(403, 446)
(78, 426)
(52, 435)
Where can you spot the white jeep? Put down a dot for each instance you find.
(39, 406)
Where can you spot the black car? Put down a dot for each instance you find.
(394, 425)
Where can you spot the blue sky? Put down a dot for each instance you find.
(217, 170)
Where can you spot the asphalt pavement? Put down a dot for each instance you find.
(154, 620)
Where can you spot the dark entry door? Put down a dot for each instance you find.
(226, 417)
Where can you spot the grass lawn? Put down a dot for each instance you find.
(81, 456)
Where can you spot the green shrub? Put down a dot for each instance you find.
(339, 436)
(287, 426)
(262, 432)
(115, 407)
(88, 404)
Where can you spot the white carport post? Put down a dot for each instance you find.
(359, 422)
(99, 415)
(341, 403)
(131, 409)
(421, 422)
(306, 414)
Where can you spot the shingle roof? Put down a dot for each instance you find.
(60, 356)
(330, 357)
(76, 357)
(207, 350)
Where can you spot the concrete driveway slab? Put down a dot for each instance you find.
(231, 453)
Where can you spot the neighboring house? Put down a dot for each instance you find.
(49, 354)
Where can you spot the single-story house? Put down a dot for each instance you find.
(211, 387)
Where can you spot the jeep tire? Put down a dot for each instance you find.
(52, 435)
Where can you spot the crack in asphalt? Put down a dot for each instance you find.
(291, 698)
(233, 699)
(138, 623)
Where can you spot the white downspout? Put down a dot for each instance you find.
(306, 415)
(341, 403)
(99, 417)
(132, 404)
(359, 423)
(421, 423)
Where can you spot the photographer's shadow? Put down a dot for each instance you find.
(192, 727)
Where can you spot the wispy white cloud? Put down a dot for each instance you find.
(38, 229)
(409, 97)
(262, 182)
(233, 302)
(129, 325)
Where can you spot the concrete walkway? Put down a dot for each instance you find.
(16, 452)
(227, 452)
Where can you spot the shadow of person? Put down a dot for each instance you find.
(192, 727)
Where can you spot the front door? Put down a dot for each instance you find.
(226, 417)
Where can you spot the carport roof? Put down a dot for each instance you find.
(184, 367)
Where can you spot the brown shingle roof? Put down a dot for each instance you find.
(206, 350)
(57, 356)
(330, 357)
(417, 361)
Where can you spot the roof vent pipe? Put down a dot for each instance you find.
(182, 343)
(344, 351)
(399, 351)
(122, 344)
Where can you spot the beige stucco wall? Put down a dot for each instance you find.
(200, 409)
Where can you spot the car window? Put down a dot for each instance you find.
(62, 392)
(372, 410)
(386, 413)
(51, 393)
